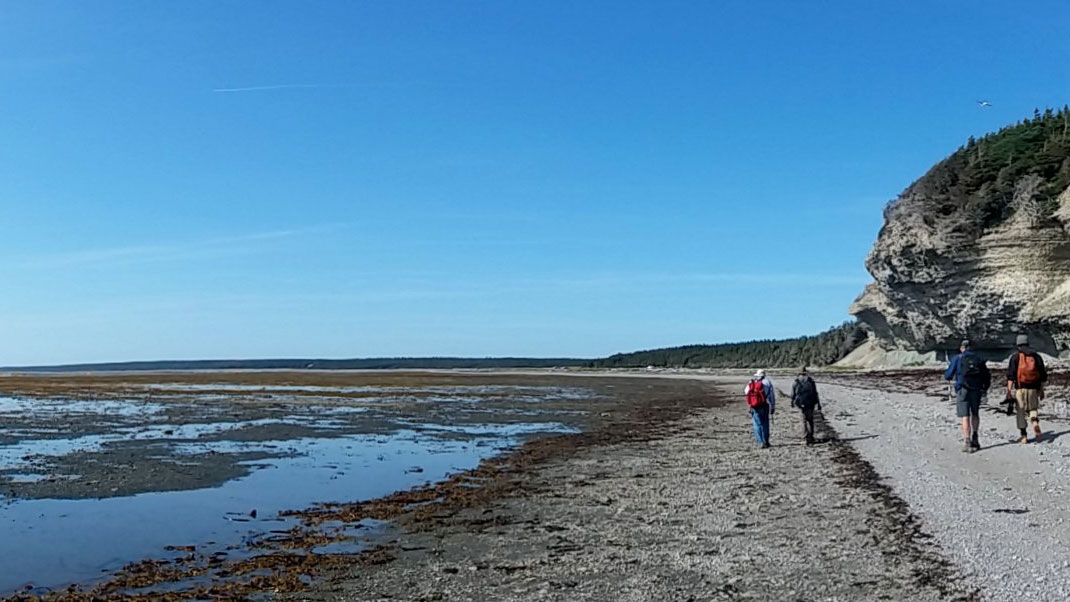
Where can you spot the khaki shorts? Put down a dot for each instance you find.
(1028, 399)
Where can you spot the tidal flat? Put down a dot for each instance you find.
(213, 484)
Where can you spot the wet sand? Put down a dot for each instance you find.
(95, 436)
(168, 447)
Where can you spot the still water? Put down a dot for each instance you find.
(49, 543)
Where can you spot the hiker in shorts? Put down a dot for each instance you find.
(972, 380)
(761, 397)
(804, 396)
(1026, 376)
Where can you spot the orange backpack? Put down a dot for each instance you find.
(1028, 373)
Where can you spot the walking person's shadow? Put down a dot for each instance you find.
(1052, 436)
(825, 440)
(1044, 438)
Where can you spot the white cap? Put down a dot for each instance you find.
(760, 374)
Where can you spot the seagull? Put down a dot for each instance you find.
(984, 103)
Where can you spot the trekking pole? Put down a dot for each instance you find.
(950, 383)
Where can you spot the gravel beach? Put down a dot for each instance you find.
(694, 513)
(1000, 514)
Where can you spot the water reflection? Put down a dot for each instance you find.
(50, 543)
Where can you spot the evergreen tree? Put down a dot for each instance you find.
(821, 350)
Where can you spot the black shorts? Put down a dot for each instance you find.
(968, 402)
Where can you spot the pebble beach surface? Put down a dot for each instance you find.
(693, 512)
(1001, 514)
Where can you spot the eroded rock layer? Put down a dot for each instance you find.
(930, 291)
(979, 251)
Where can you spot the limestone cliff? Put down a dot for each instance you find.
(979, 247)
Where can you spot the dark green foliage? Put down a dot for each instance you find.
(973, 189)
(821, 350)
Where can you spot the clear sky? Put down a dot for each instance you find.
(183, 180)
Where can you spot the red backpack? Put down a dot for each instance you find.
(756, 394)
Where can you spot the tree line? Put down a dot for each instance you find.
(390, 363)
(819, 350)
(1024, 166)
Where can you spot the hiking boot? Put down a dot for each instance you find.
(967, 448)
(1037, 432)
(975, 444)
(766, 446)
(1023, 439)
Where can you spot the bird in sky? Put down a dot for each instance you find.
(984, 103)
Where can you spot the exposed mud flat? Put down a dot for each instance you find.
(683, 508)
(102, 436)
(210, 475)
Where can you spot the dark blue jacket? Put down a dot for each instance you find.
(955, 370)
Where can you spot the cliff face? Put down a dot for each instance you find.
(978, 251)
(931, 289)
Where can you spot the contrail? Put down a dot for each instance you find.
(175, 251)
(276, 87)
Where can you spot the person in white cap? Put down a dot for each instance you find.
(1026, 376)
(761, 397)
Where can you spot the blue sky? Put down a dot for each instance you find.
(350, 179)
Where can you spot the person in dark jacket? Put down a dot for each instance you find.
(1026, 376)
(804, 396)
(972, 380)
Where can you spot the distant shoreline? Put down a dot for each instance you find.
(424, 363)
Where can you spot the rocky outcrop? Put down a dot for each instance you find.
(870, 356)
(938, 278)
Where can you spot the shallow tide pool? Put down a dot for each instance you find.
(49, 543)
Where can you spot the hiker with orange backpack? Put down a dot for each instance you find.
(761, 398)
(1026, 376)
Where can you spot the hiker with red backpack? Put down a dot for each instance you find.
(1026, 376)
(761, 398)
(972, 380)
